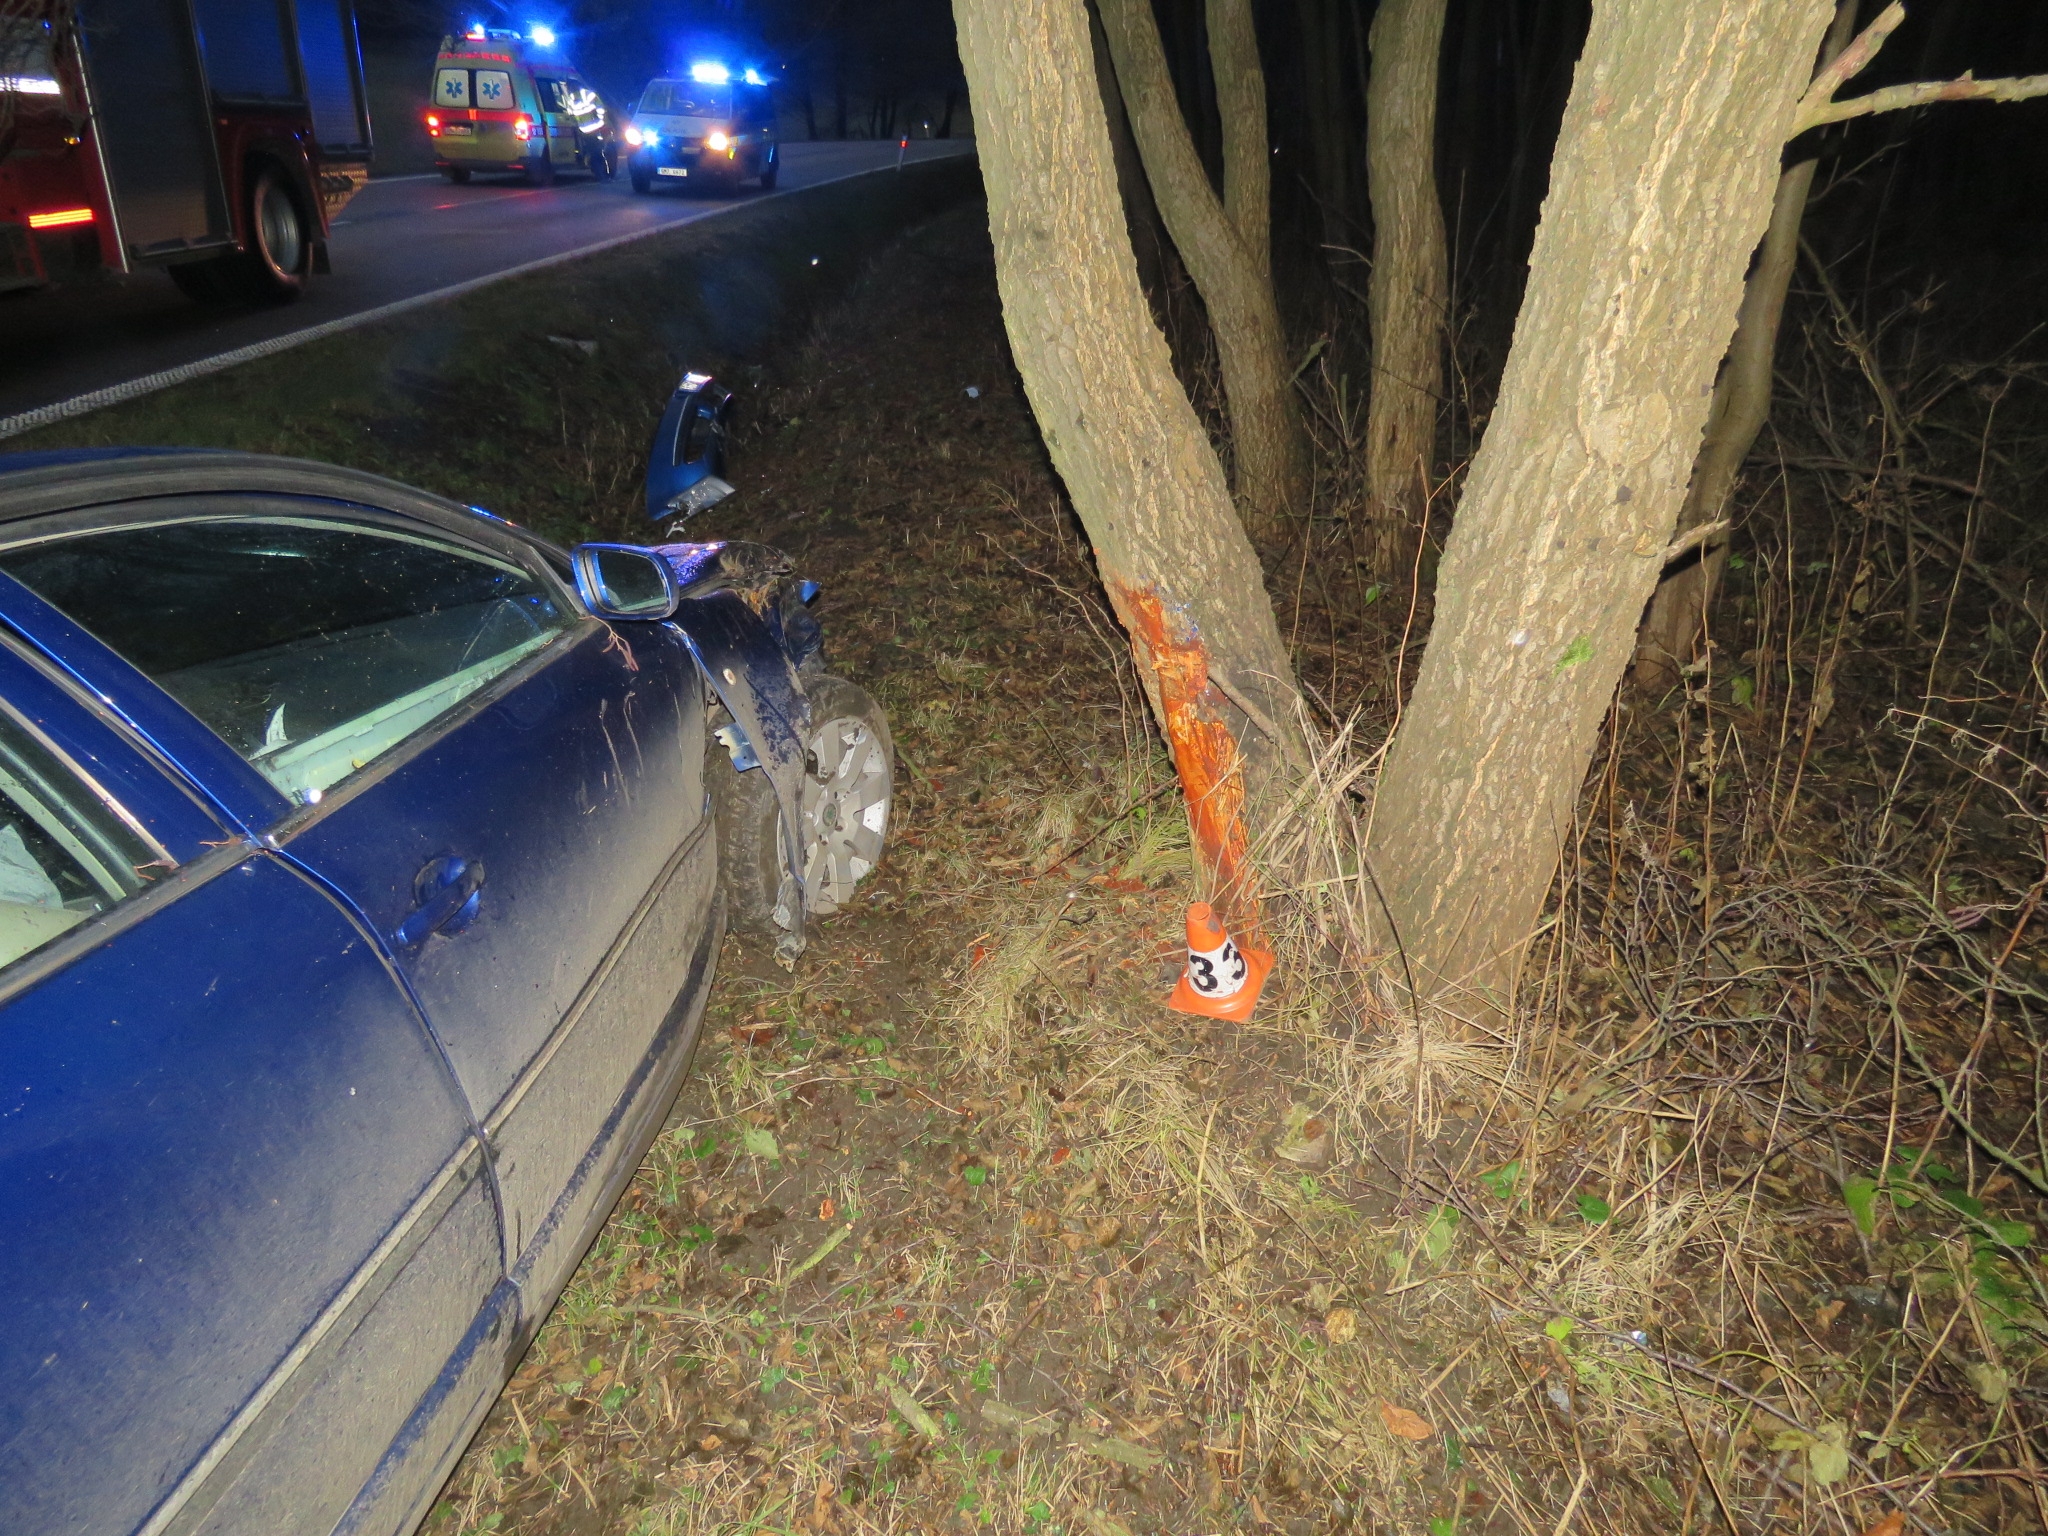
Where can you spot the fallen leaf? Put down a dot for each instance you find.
(819, 1254)
(1101, 1524)
(1108, 1230)
(1824, 1317)
(759, 1141)
(1990, 1383)
(1304, 1138)
(1893, 1524)
(1340, 1326)
(1120, 1451)
(827, 1209)
(755, 1031)
(1406, 1424)
(914, 1413)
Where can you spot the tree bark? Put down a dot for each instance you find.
(1142, 475)
(1268, 446)
(1247, 152)
(1410, 287)
(1660, 189)
(1742, 403)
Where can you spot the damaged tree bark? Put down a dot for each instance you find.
(1143, 477)
(1660, 190)
(1410, 287)
(1226, 248)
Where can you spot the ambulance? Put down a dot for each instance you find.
(511, 101)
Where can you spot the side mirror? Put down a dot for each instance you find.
(686, 466)
(621, 581)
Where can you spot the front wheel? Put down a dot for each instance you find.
(642, 182)
(771, 171)
(847, 797)
(541, 172)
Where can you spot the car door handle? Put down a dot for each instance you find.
(446, 894)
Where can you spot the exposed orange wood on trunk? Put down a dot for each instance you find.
(1205, 751)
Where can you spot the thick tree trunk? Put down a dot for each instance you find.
(1660, 189)
(1268, 446)
(1742, 404)
(1410, 278)
(1139, 468)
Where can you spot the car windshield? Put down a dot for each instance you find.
(310, 647)
(686, 98)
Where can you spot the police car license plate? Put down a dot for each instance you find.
(670, 170)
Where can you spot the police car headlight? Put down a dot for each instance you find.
(636, 138)
(716, 141)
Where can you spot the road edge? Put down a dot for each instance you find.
(220, 362)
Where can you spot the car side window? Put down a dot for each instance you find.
(65, 854)
(311, 646)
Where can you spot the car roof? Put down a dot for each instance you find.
(34, 485)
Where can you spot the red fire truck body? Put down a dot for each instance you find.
(213, 138)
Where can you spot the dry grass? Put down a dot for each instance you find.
(958, 1229)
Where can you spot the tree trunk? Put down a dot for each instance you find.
(946, 120)
(1269, 448)
(1143, 478)
(1247, 150)
(1742, 403)
(1410, 287)
(1660, 189)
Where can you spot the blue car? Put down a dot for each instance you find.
(364, 861)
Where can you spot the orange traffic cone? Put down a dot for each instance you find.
(1221, 981)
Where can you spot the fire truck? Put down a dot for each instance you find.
(212, 138)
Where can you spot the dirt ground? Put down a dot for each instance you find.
(956, 1228)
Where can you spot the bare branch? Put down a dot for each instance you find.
(1847, 65)
(1895, 97)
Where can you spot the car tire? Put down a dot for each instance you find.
(274, 269)
(458, 175)
(541, 172)
(771, 171)
(642, 182)
(848, 797)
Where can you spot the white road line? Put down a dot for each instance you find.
(385, 181)
(150, 383)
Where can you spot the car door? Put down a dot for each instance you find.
(509, 791)
(248, 1223)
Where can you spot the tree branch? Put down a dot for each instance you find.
(1846, 66)
(1893, 98)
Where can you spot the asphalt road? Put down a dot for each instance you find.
(400, 239)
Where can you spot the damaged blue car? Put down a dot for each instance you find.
(364, 861)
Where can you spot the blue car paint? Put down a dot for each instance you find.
(574, 782)
(183, 1114)
(111, 1433)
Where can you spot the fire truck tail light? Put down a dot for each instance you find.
(57, 218)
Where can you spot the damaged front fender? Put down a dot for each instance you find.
(743, 615)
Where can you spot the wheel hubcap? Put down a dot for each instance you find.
(845, 811)
(283, 241)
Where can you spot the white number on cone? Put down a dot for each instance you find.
(1217, 972)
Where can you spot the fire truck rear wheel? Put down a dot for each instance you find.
(280, 253)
